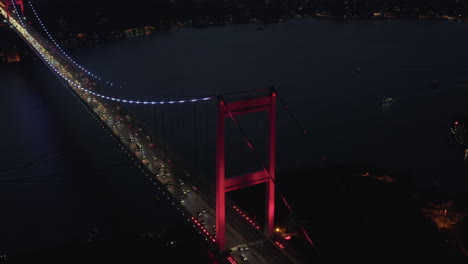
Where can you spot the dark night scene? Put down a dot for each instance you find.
(234, 131)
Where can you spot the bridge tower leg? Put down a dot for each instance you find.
(9, 3)
(223, 185)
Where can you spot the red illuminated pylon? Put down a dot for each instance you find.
(9, 3)
(223, 185)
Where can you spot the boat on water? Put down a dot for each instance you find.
(386, 101)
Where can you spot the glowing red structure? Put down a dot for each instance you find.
(223, 185)
(9, 3)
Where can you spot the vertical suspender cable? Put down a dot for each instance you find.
(290, 113)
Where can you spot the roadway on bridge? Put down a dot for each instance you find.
(153, 159)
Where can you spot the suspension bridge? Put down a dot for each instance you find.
(231, 233)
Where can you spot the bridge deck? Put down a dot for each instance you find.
(162, 166)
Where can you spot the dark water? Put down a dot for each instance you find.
(313, 63)
(61, 175)
(63, 180)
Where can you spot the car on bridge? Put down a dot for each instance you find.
(180, 182)
(201, 212)
(138, 146)
(243, 247)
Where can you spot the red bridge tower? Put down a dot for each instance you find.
(223, 185)
(9, 3)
